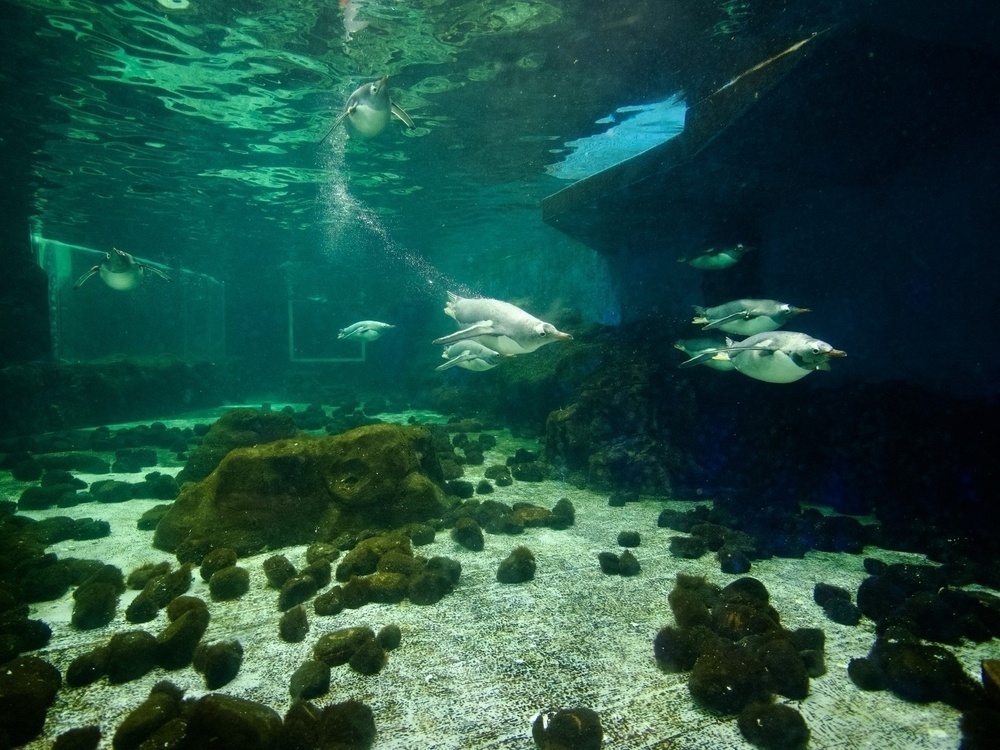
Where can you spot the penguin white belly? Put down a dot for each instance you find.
(771, 367)
(759, 324)
(368, 121)
(502, 345)
(121, 281)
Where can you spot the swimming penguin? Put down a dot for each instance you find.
(364, 330)
(471, 355)
(774, 357)
(717, 258)
(745, 317)
(500, 326)
(694, 347)
(120, 271)
(368, 110)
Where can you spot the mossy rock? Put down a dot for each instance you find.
(305, 489)
(237, 428)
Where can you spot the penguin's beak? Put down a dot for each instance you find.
(560, 336)
(836, 353)
(799, 310)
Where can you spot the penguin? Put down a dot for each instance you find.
(364, 330)
(119, 270)
(774, 356)
(368, 110)
(746, 317)
(471, 355)
(694, 347)
(500, 326)
(717, 258)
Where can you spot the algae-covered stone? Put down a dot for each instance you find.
(78, 738)
(468, 533)
(278, 569)
(218, 662)
(329, 603)
(310, 680)
(349, 719)
(176, 644)
(577, 728)
(301, 490)
(94, 605)
(369, 658)
(218, 720)
(28, 687)
(162, 705)
(216, 560)
(293, 625)
(139, 577)
(229, 583)
(387, 588)
(517, 567)
(338, 646)
(235, 429)
(130, 655)
(296, 590)
(87, 668)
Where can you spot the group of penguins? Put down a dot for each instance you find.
(490, 330)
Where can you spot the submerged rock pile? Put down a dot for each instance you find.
(739, 656)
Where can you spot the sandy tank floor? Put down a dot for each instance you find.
(474, 669)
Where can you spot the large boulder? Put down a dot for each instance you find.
(308, 489)
(236, 428)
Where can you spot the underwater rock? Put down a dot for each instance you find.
(139, 577)
(676, 649)
(568, 728)
(484, 487)
(369, 658)
(688, 547)
(329, 603)
(530, 471)
(278, 570)
(628, 564)
(517, 567)
(338, 646)
(310, 680)
(389, 637)
(161, 705)
(726, 678)
(94, 605)
(87, 668)
(111, 491)
(176, 644)
(217, 720)
(296, 590)
(733, 561)
(237, 428)
(320, 571)
(468, 534)
(78, 738)
(563, 514)
(148, 520)
(499, 473)
(229, 583)
(609, 563)
(130, 655)
(386, 587)
(218, 662)
(628, 538)
(460, 488)
(158, 592)
(350, 722)
(293, 625)
(43, 498)
(307, 489)
(773, 726)
(917, 672)
(216, 560)
(28, 686)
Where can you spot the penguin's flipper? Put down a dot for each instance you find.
(705, 356)
(401, 114)
(91, 272)
(741, 315)
(162, 274)
(336, 122)
(455, 361)
(482, 328)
